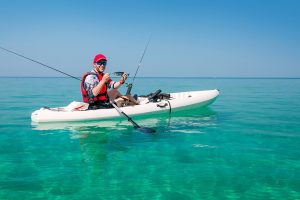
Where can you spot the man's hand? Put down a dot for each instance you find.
(106, 77)
(124, 77)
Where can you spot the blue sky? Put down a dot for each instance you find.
(230, 38)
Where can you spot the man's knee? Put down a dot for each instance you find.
(120, 102)
(114, 93)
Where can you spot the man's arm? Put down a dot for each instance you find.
(120, 82)
(98, 87)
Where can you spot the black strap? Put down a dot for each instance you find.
(169, 107)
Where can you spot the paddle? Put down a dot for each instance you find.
(135, 125)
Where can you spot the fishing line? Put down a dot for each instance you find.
(39, 63)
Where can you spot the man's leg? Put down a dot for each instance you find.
(114, 95)
(132, 101)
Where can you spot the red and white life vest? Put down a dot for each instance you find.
(102, 96)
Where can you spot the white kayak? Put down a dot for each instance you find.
(177, 101)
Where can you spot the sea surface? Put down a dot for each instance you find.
(246, 145)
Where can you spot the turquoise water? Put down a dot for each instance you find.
(244, 146)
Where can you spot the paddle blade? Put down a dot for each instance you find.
(145, 129)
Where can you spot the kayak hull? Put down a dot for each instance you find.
(178, 101)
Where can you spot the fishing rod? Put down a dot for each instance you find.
(39, 63)
(114, 73)
(139, 65)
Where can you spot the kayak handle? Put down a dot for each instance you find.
(161, 105)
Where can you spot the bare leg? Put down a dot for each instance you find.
(132, 100)
(113, 94)
(120, 102)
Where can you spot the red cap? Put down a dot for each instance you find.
(99, 57)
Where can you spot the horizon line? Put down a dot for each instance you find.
(204, 77)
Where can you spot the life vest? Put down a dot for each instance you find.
(101, 97)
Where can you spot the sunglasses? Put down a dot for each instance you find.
(101, 63)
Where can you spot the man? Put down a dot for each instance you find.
(95, 85)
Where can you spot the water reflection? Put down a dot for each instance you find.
(107, 155)
(99, 139)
